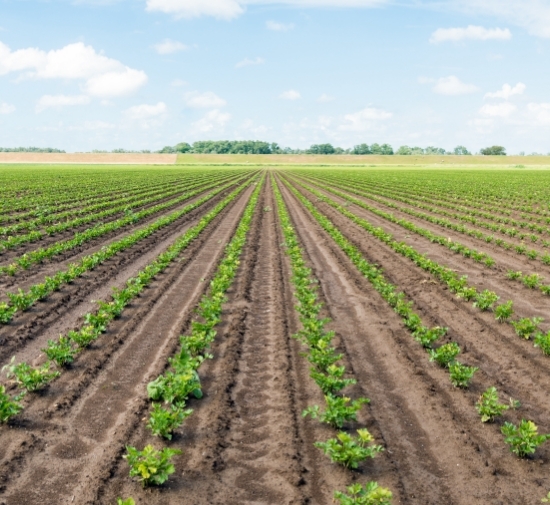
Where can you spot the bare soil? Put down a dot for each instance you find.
(247, 442)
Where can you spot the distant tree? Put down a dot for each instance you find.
(404, 151)
(167, 150)
(493, 151)
(435, 151)
(321, 149)
(461, 151)
(385, 149)
(361, 149)
(182, 147)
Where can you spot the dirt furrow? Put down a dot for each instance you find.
(85, 417)
(439, 450)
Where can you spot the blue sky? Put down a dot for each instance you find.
(141, 74)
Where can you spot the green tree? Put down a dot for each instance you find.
(321, 149)
(361, 149)
(461, 151)
(493, 151)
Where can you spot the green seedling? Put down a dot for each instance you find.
(29, 378)
(485, 300)
(427, 336)
(532, 281)
(163, 421)
(338, 410)
(542, 341)
(513, 275)
(504, 311)
(150, 466)
(461, 375)
(524, 438)
(369, 494)
(61, 351)
(332, 381)
(446, 354)
(488, 406)
(525, 327)
(349, 451)
(8, 407)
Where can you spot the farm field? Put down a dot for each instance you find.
(280, 333)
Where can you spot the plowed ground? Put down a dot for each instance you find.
(247, 442)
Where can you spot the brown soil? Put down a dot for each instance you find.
(89, 158)
(247, 442)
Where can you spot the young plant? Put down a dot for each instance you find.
(542, 341)
(61, 352)
(446, 354)
(523, 439)
(332, 381)
(546, 499)
(531, 281)
(349, 451)
(30, 378)
(8, 407)
(513, 275)
(175, 387)
(525, 327)
(489, 407)
(128, 501)
(338, 410)
(150, 466)
(427, 336)
(485, 300)
(369, 494)
(461, 375)
(504, 311)
(163, 422)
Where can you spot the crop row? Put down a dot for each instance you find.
(23, 300)
(39, 255)
(171, 391)
(522, 439)
(346, 449)
(126, 207)
(64, 350)
(58, 221)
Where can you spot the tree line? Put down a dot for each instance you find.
(30, 150)
(259, 147)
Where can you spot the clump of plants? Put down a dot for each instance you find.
(369, 494)
(489, 407)
(524, 438)
(348, 450)
(151, 467)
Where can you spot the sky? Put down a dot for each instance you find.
(142, 74)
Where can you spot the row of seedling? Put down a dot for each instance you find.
(171, 391)
(345, 449)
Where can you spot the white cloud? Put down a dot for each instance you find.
(504, 109)
(222, 9)
(6, 108)
(74, 61)
(214, 120)
(291, 94)
(533, 15)
(168, 46)
(364, 119)
(248, 62)
(452, 85)
(145, 111)
(230, 9)
(469, 33)
(540, 112)
(279, 27)
(206, 100)
(325, 98)
(117, 83)
(507, 91)
(49, 101)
